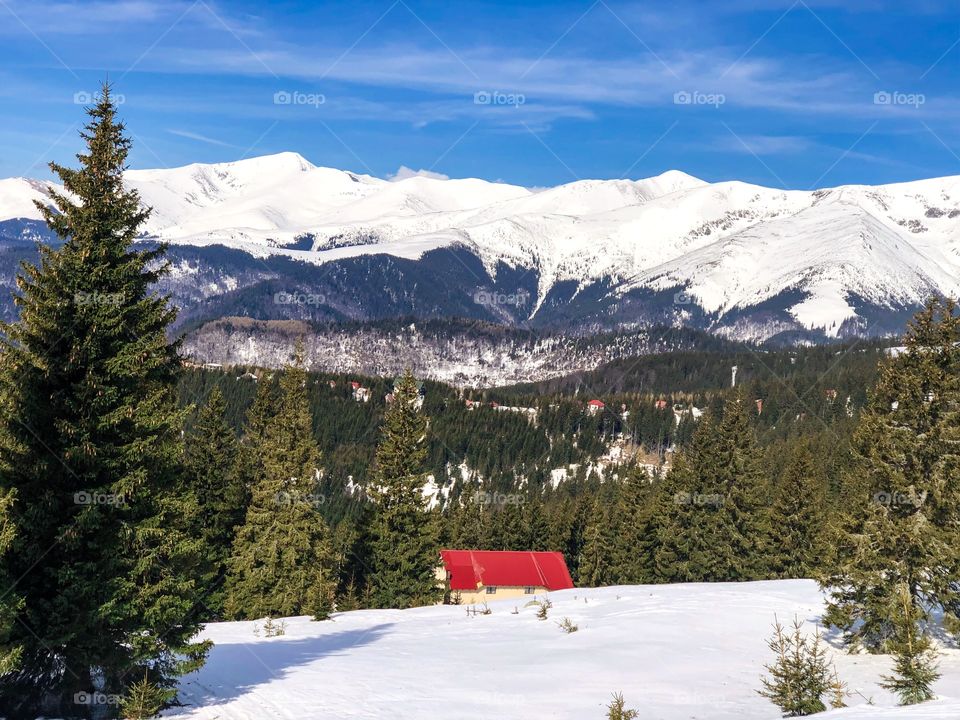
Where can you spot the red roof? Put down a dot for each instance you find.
(596, 403)
(470, 569)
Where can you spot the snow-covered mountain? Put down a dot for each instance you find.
(739, 259)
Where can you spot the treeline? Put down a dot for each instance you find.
(505, 446)
(508, 438)
(846, 367)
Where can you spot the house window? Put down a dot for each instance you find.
(492, 590)
(529, 590)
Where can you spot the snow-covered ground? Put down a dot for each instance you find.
(674, 651)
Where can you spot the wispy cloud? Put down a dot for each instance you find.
(89, 17)
(639, 81)
(761, 144)
(415, 113)
(789, 145)
(564, 83)
(200, 138)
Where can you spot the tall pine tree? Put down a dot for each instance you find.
(11, 602)
(594, 566)
(405, 552)
(798, 517)
(215, 472)
(282, 559)
(634, 541)
(712, 510)
(901, 526)
(88, 444)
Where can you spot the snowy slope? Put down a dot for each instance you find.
(730, 245)
(17, 196)
(259, 199)
(831, 249)
(675, 651)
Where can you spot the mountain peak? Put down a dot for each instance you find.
(679, 177)
(287, 161)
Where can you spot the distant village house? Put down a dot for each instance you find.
(360, 393)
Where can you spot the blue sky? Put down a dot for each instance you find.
(787, 94)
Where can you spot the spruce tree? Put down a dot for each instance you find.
(634, 537)
(568, 522)
(214, 470)
(901, 495)
(350, 540)
(470, 523)
(594, 566)
(405, 551)
(10, 603)
(798, 518)
(281, 563)
(536, 526)
(88, 446)
(712, 515)
(258, 418)
(618, 710)
(510, 528)
(681, 547)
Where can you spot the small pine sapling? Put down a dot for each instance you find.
(567, 625)
(800, 676)
(326, 603)
(143, 700)
(838, 691)
(617, 709)
(271, 628)
(544, 608)
(915, 658)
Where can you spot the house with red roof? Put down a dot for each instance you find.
(595, 406)
(475, 576)
(360, 393)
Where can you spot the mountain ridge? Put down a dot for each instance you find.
(729, 257)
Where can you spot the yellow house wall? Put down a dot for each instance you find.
(503, 592)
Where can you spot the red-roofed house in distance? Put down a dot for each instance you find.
(475, 576)
(595, 406)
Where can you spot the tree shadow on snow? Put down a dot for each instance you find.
(830, 634)
(234, 669)
(834, 636)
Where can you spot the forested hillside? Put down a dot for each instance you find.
(460, 351)
(532, 460)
